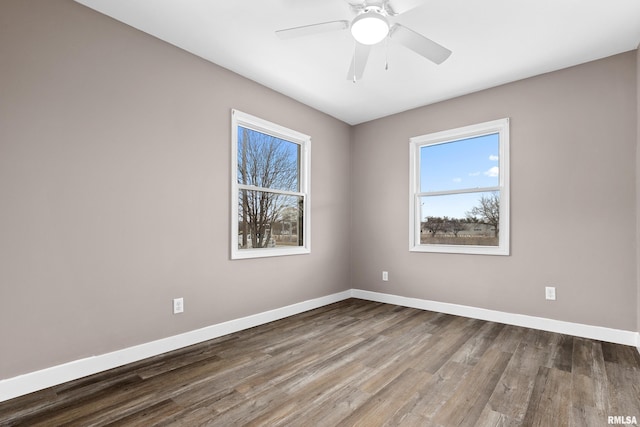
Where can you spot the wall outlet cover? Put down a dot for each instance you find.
(178, 305)
(550, 293)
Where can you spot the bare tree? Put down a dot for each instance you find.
(487, 211)
(434, 224)
(267, 163)
(456, 225)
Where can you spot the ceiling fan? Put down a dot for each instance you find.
(370, 26)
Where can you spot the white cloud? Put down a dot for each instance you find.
(457, 179)
(474, 174)
(493, 172)
(494, 158)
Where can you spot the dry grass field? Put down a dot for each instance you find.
(429, 239)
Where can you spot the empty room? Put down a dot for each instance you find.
(319, 213)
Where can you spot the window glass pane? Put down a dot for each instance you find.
(460, 219)
(268, 162)
(465, 163)
(269, 220)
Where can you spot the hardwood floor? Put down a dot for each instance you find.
(356, 363)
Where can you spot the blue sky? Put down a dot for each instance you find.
(259, 146)
(463, 164)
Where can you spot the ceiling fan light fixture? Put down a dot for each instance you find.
(370, 27)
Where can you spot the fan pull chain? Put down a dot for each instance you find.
(386, 54)
(355, 50)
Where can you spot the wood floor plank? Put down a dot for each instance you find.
(413, 420)
(550, 403)
(583, 393)
(384, 321)
(590, 387)
(473, 349)
(467, 403)
(352, 363)
(509, 338)
(72, 411)
(148, 416)
(622, 355)
(539, 339)
(388, 401)
(490, 418)
(278, 369)
(512, 393)
(438, 390)
(562, 353)
(311, 392)
(392, 363)
(416, 323)
(586, 416)
(330, 411)
(623, 401)
(448, 343)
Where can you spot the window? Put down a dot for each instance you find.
(460, 190)
(270, 189)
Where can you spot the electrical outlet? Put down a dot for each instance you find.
(385, 276)
(178, 305)
(550, 293)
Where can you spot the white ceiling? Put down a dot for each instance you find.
(493, 42)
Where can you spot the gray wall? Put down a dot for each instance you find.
(573, 210)
(114, 184)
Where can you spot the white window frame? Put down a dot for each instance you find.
(501, 127)
(238, 118)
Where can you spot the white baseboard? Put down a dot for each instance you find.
(38, 380)
(600, 333)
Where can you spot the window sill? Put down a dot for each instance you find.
(268, 252)
(453, 249)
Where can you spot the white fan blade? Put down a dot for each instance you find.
(358, 62)
(307, 30)
(357, 6)
(419, 44)
(396, 7)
